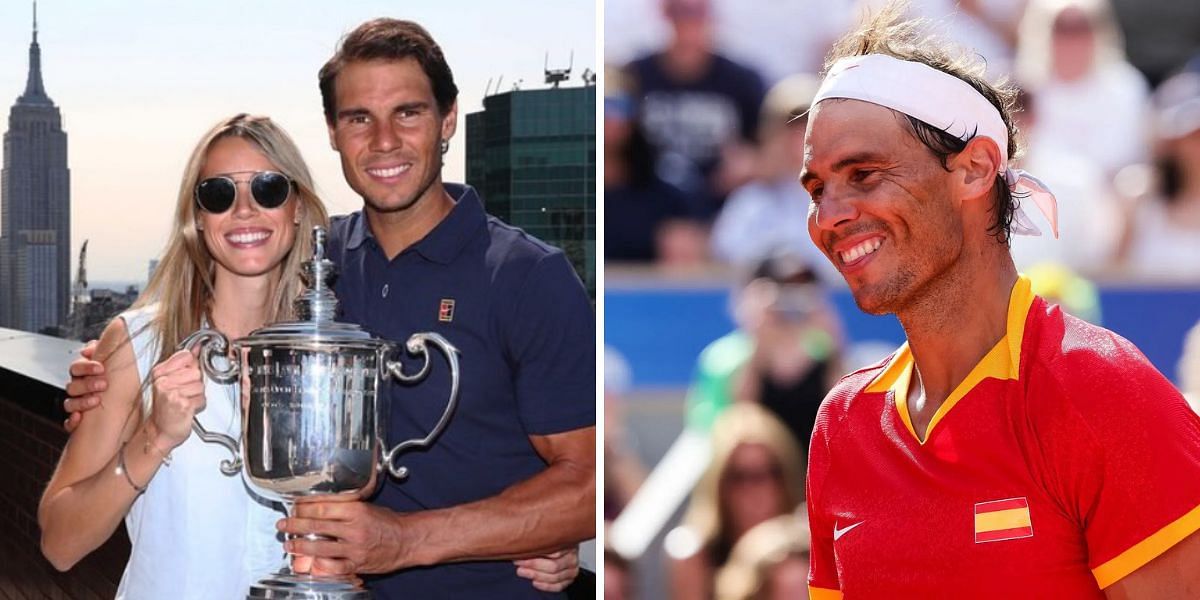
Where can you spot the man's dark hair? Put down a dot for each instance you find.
(392, 40)
(885, 33)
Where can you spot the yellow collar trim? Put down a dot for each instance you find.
(1003, 361)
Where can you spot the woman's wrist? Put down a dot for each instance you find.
(123, 470)
(157, 444)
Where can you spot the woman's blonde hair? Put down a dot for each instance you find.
(182, 284)
(759, 551)
(742, 423)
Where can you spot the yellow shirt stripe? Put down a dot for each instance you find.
(816, 593)
(1147, 550)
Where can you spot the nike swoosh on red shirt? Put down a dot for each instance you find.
(838, 533)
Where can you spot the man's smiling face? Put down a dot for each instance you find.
(388, 129)
(880, 207)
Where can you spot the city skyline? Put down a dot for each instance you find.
(139, 82)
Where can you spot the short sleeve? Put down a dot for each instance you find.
(823, 581)
(552, 343)
(1127, 451)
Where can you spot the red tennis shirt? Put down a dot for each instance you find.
(1062, 463)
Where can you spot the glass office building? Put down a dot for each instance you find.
(532, 156)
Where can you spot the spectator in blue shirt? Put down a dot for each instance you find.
(698, 108)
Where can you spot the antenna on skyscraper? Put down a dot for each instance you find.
(487, 88)
(79, 297)
(35, 21)
(557, 76)
(498, 84)
(81, 276)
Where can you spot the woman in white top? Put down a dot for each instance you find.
(1164, 225)
(231, 262)
(1091, 102)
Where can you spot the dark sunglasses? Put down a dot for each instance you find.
(1072, 26)
(741, 476)
(269, 189)
(682, 9)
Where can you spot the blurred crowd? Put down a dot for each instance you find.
(705, 113)
(743, 533)
(704, 125)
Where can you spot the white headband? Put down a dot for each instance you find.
(944, 102)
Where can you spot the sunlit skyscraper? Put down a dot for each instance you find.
(532, 156)
(35, 208)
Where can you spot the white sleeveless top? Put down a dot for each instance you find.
(196, 533)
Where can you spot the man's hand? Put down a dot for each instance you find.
(371, 539)
(555, 507)
(367, 538)
(304, 564)
(83, 391)
(552, 572)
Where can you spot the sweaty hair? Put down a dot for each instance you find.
(389, 40)
(884, 33)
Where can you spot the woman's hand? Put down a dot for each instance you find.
(178, 396)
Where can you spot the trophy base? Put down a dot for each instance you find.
(296, 586)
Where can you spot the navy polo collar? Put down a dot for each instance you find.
(448, 238)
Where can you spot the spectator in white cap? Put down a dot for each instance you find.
(1091, 102)
(1164, 240)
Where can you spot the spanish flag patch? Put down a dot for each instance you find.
(1000, 520)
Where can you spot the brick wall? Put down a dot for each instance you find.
(31, 439)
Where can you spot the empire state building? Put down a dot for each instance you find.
(35, 208)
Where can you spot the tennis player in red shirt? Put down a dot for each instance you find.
(1007, 450)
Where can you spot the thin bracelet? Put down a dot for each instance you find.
(165, 457)
(122, 469)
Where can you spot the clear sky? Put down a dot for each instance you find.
(139, 81)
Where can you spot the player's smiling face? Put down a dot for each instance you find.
(879, 210)
(388, 129)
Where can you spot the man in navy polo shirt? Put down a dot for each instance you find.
(513, 475)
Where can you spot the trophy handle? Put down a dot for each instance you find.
(212, 343)
(417, 345)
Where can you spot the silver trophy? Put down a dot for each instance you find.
(314, 420)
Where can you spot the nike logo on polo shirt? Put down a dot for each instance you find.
(446, 310)
(838, 533)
